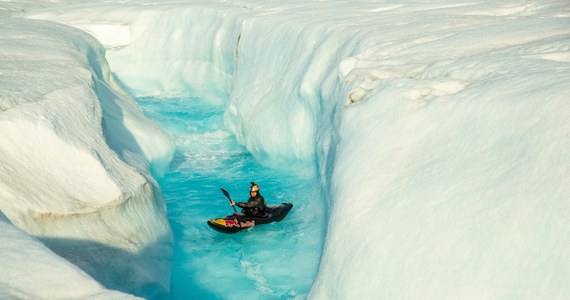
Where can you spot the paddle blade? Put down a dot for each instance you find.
(226, 193)
(229, 198)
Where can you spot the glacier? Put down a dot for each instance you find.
(439, 131)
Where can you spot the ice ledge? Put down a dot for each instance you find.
(75, 159)
(24, 266)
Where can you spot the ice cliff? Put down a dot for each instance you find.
(75, 161)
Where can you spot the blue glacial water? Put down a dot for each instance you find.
(274, 261)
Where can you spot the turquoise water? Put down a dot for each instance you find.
(274, 261)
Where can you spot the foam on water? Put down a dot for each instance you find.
(278, 260)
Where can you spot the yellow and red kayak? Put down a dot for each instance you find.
(239, 221)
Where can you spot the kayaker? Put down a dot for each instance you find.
(255, 205)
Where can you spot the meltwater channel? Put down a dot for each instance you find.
(273, 261)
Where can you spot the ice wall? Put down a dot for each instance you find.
(26, 262)
(74, 163)
(439, 129)
(195, 49)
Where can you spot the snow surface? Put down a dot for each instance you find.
(439, 129)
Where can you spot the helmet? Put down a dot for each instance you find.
(254, 187)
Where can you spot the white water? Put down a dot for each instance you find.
(440, 129)
(275, 261)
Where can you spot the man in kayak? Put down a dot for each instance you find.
(255, 205)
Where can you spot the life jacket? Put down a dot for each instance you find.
(259, 208)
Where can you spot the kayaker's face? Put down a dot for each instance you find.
(253, 193)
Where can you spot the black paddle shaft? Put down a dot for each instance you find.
(228, 196)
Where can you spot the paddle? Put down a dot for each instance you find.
(228, 196)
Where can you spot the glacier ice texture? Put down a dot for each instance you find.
(75, 159)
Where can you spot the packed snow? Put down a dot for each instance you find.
(439, 130)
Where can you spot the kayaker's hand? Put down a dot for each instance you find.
(232, 203)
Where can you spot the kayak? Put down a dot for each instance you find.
(238, 221)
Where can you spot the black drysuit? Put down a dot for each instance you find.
(255, 206)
